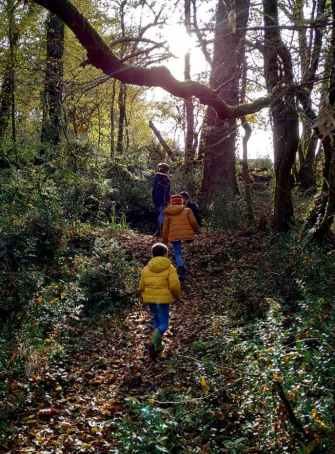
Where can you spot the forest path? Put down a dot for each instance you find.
(74, 399)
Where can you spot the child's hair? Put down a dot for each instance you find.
(163, 167)
(184, 194)
(159, 250)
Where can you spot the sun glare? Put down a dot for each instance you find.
(179, 41)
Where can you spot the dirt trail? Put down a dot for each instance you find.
(74, 400)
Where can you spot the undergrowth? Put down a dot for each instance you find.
(264, 378)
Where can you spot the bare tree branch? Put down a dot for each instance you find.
(102, 57)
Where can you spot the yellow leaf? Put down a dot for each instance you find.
(203, 383)
(47, 340)
(63, 294)
(322, 424)
(58, 388)
(251, 118)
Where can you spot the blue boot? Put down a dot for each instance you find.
(181, 273)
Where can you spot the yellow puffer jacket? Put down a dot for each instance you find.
(159, 282)
(179, 224)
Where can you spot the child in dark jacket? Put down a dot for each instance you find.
(194, 207)
(159, 286)
(161, 193)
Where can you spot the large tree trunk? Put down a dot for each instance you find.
(278, 70)
(309, 54)
(220, 136)
(7, 94)
(322, 216)
(306, 152)
(53, 91)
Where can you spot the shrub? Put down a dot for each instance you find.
(107, 279)
(228, 211)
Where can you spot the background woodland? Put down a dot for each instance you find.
(88, 108)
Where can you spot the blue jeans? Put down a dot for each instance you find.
(161, 214)
(177, 253)
(160, 314)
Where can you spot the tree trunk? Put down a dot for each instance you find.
(112, 121)
(247, 183)
(122, 117)
(309, 53)
(322, 215)
(53, 91)
(328, 208)
(278, 71)
(306, 152)
(219, 136)
(165, 146)
(7, 95)
(189, 110)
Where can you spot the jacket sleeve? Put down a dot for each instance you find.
(174, 283)
(194, 207)
(166, 228)
(167, 191)
(192, 220)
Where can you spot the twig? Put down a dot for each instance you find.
(277, 388)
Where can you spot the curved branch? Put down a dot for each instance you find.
(102, 57)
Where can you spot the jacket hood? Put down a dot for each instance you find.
(174, 209)
(161, 176)
(159, 264)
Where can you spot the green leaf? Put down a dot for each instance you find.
(159, 449)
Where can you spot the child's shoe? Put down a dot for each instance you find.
(152, 352)
(181, 273)
(155, 345)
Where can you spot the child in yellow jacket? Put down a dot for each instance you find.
(159, 286)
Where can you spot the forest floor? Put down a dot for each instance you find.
(73, 400)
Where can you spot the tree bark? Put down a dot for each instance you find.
(112, 121)
(7, 95)
(122, 117)
(189, 110)
(309, 52)
(220, 135)
(323, 212)
(278, 71)
(247, 182)
(53, 91)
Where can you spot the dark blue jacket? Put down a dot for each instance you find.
(161, 189)
(195, 209)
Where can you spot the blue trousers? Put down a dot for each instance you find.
(161, 214)
(177, 253)
(160, 314)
